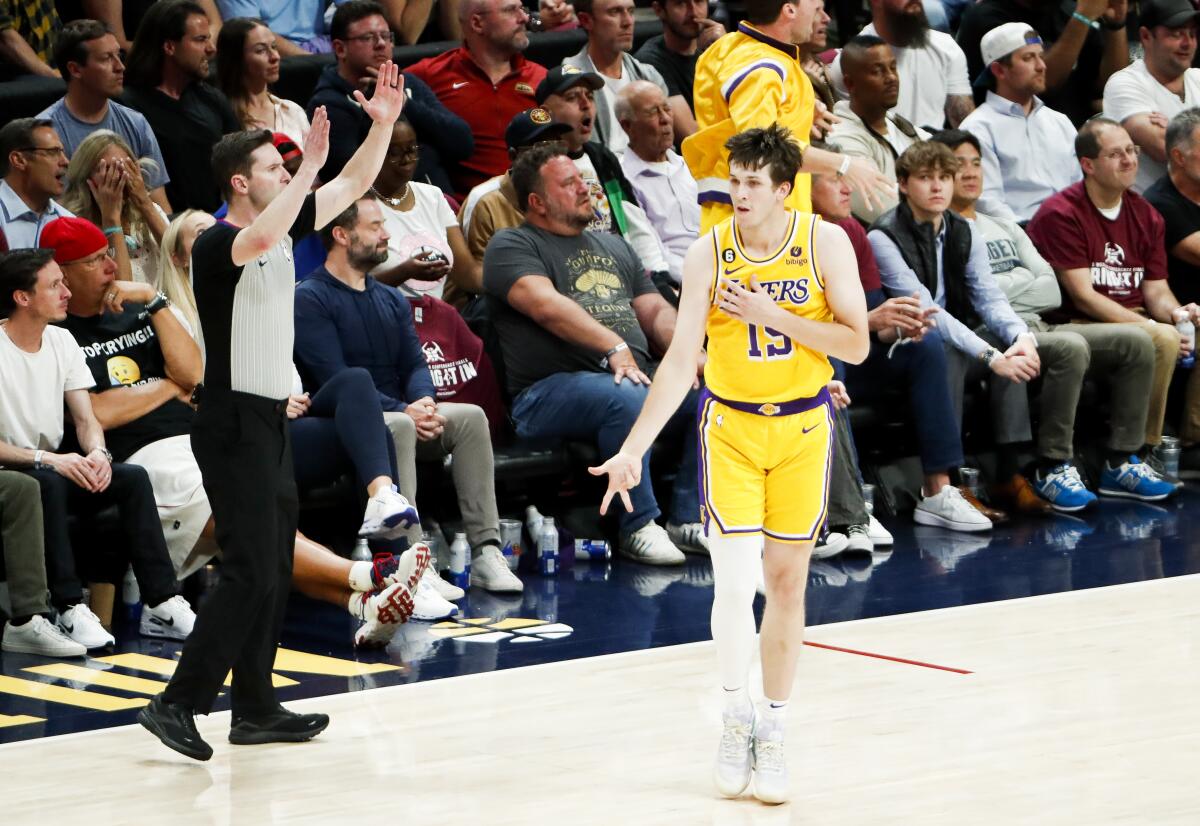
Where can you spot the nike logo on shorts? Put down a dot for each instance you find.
(810, 429)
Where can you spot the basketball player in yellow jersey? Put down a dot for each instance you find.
(752, 77)
(775, 291)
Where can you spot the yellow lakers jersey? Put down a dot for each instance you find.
(747, 362)
(745, 80)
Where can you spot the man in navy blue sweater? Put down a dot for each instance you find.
(346, 318)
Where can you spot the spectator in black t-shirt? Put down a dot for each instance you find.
(687, 32)
(165, 76)
(362, 42)
(577, 318)
(1176, 196)
(1080, 56)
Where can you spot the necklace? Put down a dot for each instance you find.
(394, 203)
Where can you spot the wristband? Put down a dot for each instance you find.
(113, 231)
(845, 167)
(37, 459)
(1085, 20)
(615, 350)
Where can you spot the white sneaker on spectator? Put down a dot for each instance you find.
(80, 624)
(40, 636)
(651, 545)
(429, 604)
(446, 590)
(388, 515)
(880, 536)
(490, 572)
(948, 509)
(688, 536)
(858, 538)
(831, 544)
(172, 619)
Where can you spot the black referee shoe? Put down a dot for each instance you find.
(281, 726)
(175, 726)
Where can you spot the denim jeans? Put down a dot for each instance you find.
(589, 406)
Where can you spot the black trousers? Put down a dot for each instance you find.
(141, 529)
(242, 446)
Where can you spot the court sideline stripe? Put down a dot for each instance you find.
(886, 657)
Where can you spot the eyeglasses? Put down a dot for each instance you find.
(92, 261)
(1118, 154)
(53, 150)
(373, 37)
(411, 154)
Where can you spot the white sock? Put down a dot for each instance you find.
(736, 569)
(357, 606)
(772, 716)
(737, 704)
(360, 576)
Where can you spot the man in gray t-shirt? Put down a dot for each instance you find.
(577, 317)
(89, 59)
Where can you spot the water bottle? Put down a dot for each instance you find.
(131, 596)
(460, 561)
(533, 523)
(547, 545)
(362, 551)
(1187, 331)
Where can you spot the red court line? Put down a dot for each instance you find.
(886, 657)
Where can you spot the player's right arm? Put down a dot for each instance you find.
(674, 378)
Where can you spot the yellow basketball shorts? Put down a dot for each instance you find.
(765, 474)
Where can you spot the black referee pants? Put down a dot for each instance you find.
(242, 446)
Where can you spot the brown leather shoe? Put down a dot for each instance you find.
(1019, 496)
(997, 516)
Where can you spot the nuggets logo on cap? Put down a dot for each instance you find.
(539, 116)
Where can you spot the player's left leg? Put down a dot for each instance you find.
(785, 572)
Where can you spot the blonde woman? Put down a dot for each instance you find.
(247, 61)
(107, 186)
(174, 265)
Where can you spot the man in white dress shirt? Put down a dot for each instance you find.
(661, 180)
(1028, 148)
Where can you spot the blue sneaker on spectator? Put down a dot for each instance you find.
(1063, 489)
(1134, 479)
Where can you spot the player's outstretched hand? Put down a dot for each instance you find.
(387, 102)
(624, 472)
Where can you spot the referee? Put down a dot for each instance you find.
(245, 283)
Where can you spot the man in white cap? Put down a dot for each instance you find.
(1027, 147)
(1145, 96)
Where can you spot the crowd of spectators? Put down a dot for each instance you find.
(1043, 230)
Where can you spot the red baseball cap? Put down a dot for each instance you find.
(287, 147)
(72, 239)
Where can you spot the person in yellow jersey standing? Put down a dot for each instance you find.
(752, 77)
(775, 291)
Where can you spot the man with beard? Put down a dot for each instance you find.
(753, 78)
(351, 320)
(486, 81)
(816, 68)
(165, 73)
(1085, 45)
(867, 127)
(577, 318)
(933, 69)
(1026, 145)
(1146, 95)
(687, 31)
